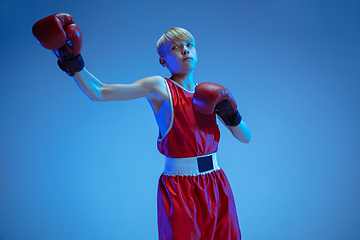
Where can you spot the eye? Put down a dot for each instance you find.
(174, 47)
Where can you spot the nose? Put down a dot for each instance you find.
(185, 50)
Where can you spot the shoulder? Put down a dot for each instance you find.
(152, 81)
(158, 81)
(157, 86)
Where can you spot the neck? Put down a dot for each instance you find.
(187, 81)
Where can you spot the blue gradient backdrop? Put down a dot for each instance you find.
(75, 169)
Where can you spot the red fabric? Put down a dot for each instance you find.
(192, 133)
(197, 208)
(194, 207)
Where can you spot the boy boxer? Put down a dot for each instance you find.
(195, 200)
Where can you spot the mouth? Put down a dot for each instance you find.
(188, 58)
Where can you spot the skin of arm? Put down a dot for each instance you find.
(153, 88)
(241, 132)
(100, 92)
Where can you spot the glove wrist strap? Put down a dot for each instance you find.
(232, 120)
(66, 59)
(70, 66)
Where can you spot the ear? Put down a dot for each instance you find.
(163, 62)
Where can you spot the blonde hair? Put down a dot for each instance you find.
(173, 35)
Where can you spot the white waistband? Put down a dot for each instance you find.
(191, 166)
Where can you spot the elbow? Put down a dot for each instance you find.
(245, 133)
(96, 95)
(94, 99)
(248, 138)
(245, 138)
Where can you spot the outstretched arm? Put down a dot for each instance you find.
(98, 91)
(58, 33)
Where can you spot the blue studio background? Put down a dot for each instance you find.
(71, 168)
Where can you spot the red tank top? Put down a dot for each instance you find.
(190, 133)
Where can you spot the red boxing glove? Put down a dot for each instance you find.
(212, 98)
(59, 34)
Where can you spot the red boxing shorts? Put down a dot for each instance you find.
(197, 207)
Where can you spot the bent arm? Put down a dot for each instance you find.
(98, 91)
(241, 132)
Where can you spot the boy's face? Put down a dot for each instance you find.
(180, 58)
